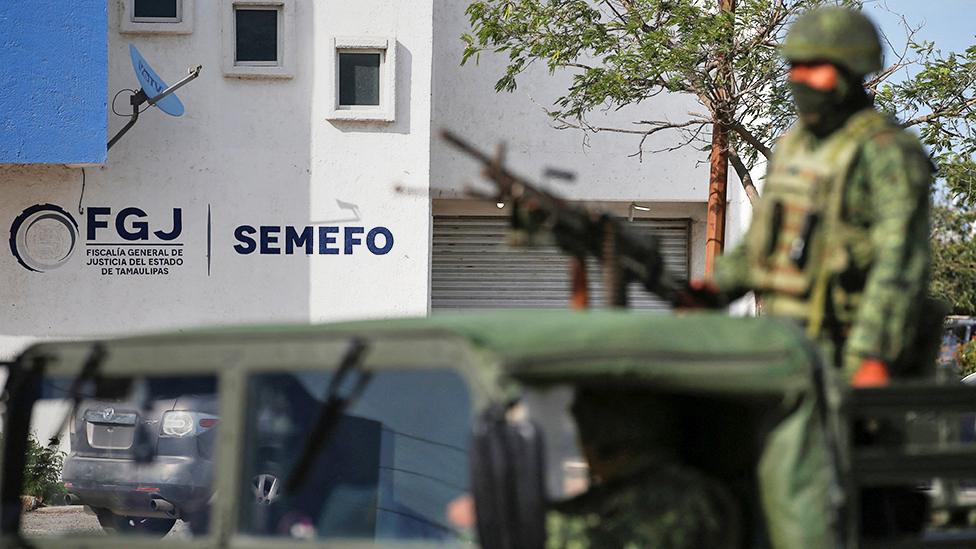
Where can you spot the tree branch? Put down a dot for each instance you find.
(750, 138)
(900, 58)
(692, 136)
(955, 110)
(745, 177)
(656, 126)
(767, 34)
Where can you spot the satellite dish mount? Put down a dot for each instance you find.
(162, 95)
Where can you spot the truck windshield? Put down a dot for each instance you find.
(396, 460)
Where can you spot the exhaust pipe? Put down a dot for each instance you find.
(162, 506)
(72, 499)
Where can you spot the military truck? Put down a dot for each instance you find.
(362, 434)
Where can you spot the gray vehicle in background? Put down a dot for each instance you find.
(956, 498)
(140, 466)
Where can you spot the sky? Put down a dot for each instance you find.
(951, 24)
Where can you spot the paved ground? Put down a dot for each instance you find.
(59, 521)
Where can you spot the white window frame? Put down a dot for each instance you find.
(182, 24)
(279, 19)
(382, 78)
(283, 67)
(386, 110)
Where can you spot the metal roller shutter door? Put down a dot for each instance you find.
(474, 268)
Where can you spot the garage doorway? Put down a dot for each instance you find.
(474, 268)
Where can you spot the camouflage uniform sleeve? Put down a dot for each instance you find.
(565, 531)
(675, 508)
(732, 271)
(898, 176)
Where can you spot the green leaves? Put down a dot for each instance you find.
(967, 358)
(42, 471)
(620, 52)
(937, 96)
(625, 52)
(954, 256)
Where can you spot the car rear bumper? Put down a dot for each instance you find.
(127, 488)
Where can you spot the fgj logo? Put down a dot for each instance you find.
(43, 237)
(123, 242)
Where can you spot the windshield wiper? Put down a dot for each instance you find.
(88, 372)
(333, 408)
(20, 393)
(5, 391)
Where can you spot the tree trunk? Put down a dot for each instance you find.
(718, 178)
(718, 183)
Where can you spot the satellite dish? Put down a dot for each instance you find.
(153, 92)
(153, 85)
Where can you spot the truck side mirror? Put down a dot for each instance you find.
(507, 477)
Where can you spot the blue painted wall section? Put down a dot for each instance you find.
(53, 81)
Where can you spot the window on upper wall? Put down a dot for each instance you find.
(256, 36)
(365, 73)
(359, 78)
(163, 11)
(258, 39)
(157, 16)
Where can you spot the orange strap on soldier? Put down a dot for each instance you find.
(871, 373)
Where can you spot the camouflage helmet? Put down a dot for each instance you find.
(841, 36)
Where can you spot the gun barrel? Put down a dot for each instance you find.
(578, 232)
(460, 143)
(507, 182)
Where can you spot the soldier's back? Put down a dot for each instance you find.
(661, 507)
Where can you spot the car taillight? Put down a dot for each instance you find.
(177, 424)
(181, 424)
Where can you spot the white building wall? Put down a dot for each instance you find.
(363, 163)
(673, 183)
(260, 151)
(604, 169)
(252, 152)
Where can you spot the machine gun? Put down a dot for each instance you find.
(537, 214)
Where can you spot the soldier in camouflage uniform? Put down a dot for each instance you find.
(839, 240)
(641, 496)
(839, 243)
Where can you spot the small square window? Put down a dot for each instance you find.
(156, 16)
(364, 69)
(155, 10)
(256, 36)
(359, 78)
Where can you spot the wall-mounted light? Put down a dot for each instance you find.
(635, 207)
(499, 205)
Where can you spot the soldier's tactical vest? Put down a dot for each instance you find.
(799, 240)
